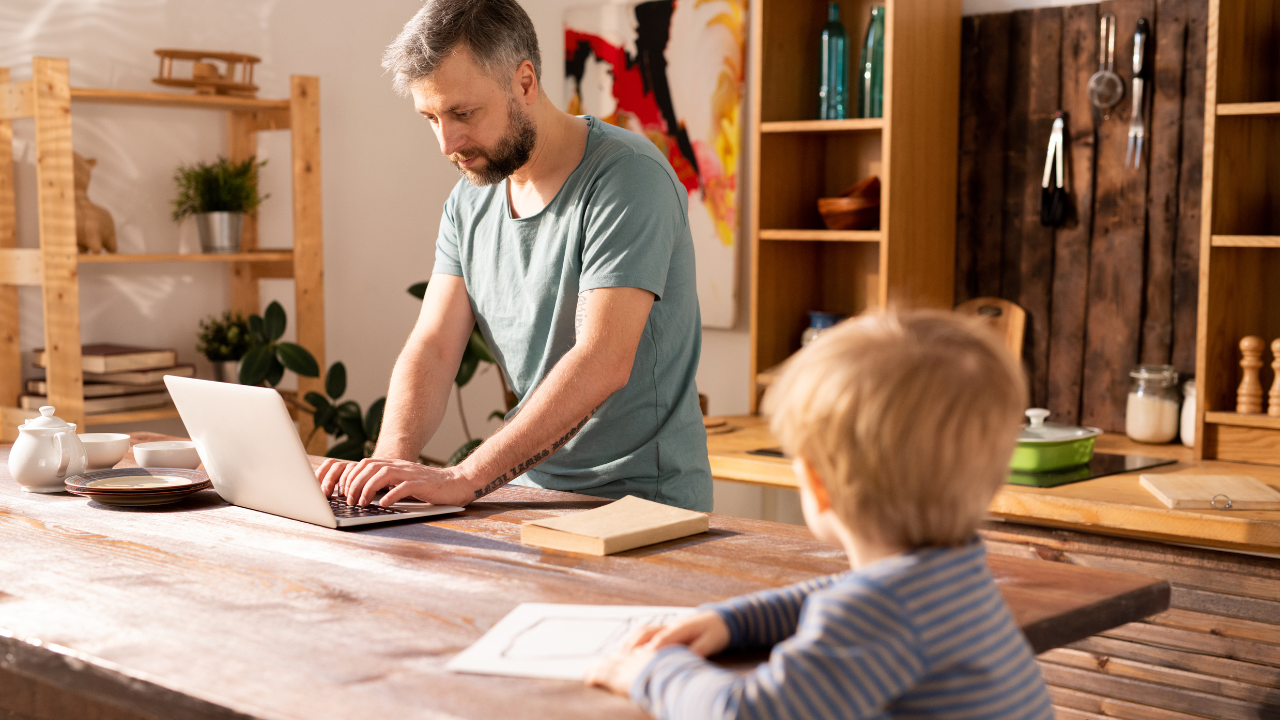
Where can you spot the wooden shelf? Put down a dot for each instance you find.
(1238, 420)
(822, 235)
(1262, 241)
(802, 126)
(1253, 108)
(156, 413)
(176, 100)
(259, 256)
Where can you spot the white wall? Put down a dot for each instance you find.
(384, 182)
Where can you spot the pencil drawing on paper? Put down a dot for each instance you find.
(565, 638)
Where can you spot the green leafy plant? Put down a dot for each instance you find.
(220, 186)
(268, 358)
(355, 430)
(476, 352)
(224, 339)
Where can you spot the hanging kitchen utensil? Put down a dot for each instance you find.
(1106, 88)
(1053, 196)
(1137, 125)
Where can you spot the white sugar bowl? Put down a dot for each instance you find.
(46, 453)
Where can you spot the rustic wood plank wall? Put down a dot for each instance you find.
(1116, 285)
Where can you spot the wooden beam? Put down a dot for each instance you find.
(271, 270)
(242, 144)
(308, 237)
(10, 347)
(56, 199)
(19, 266)
(16, 99)
(10, 419)
(178, 100)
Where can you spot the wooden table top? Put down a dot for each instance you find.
(203, 609)
(1115, 504)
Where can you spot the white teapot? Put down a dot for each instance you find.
(46, 453)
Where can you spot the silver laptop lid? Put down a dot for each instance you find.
(250, 448)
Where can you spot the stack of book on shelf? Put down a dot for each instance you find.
(116, 378)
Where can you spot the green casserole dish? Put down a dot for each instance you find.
(1044, 446)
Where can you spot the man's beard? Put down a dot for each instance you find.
(508, 155)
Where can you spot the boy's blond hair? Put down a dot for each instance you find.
(909, 419)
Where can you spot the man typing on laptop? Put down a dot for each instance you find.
(568, 243)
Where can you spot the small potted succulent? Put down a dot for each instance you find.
(218, 194)
(224, 342)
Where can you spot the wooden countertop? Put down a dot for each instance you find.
(1116, 504)
(206, 610)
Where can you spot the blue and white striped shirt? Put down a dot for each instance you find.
(924, 634)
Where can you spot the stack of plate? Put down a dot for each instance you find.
(138, 486)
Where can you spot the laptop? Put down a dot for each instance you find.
(252, 453)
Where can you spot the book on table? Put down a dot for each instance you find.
(94, 406)
(621, 525)
(109, 358)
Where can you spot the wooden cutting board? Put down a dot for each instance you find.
(1196, 492)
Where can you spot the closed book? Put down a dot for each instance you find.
(94, 406)
(621, 525)
(106, 358)
(97, 390)
(140, 377)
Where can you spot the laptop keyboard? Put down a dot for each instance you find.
(343, 510)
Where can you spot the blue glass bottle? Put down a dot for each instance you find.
(833, 89)
(871, 69)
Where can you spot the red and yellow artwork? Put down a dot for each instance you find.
(672, 70)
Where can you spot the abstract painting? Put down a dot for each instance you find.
(672, 70)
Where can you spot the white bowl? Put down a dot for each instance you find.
(104, 450)
(168, 454)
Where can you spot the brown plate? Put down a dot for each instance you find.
(138, 499)
(134, 481)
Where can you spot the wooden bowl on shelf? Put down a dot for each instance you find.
(857, 208)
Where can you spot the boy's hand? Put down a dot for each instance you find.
(616, 672)
(704, 632)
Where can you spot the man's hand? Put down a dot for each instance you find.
(704, 632)
(618, 671)
(359, 482)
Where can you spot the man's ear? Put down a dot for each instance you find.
(525, 83)
(810, 481)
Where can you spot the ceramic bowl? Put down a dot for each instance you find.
(168, 454)
(104, 450)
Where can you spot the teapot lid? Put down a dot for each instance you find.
(47, 420)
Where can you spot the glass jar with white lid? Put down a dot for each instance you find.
(1151, 414)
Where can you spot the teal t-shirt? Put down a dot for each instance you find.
(620, 220)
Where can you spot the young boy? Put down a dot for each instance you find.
(901, 427)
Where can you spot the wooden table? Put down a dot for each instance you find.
(202, 609)
(1115, 504)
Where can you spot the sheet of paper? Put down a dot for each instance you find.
(544, 640)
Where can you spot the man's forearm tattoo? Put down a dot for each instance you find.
(535, 459)
(580, 315)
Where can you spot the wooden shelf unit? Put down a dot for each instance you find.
(796, 264)
(1240, 231)
(54, 267)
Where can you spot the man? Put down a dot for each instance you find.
(568, 243)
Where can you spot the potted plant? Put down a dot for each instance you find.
(218, 194)
(224, 342)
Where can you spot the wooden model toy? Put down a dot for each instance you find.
(1249, 395)
(237, 80)
(95, 229)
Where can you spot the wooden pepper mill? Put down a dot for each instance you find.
(1249, 395)
(1273, 399)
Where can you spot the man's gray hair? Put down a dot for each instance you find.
(498, 33)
